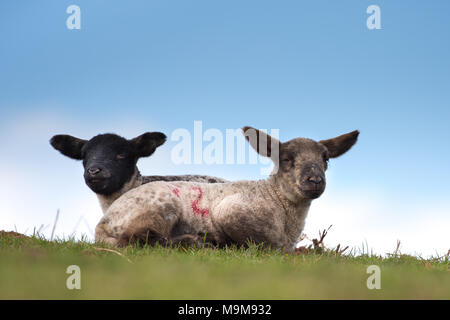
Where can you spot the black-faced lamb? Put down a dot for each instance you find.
(270, 211)
(110, 163)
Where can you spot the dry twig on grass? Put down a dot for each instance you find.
(113, 251)
(322, 235)
(318, 245)
(338, 249)
(54, 224)
(397, 249)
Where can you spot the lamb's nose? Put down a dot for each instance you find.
(315, 179)
(94, 171)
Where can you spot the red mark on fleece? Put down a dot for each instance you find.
(176, 192)
(203, 212)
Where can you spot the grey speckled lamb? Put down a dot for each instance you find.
(270, 211)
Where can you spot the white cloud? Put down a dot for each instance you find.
(361, 219)
(29, 202)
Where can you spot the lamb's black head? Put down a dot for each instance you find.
(109, 160)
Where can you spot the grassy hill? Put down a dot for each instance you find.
(35, 268)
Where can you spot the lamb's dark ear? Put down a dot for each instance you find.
(341, 144)
(68, 145)
(146, 144)
(264, 144)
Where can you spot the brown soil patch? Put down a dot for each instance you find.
(12, 234)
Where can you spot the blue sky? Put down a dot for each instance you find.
(308, 68)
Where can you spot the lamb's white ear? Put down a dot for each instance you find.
(263, 143)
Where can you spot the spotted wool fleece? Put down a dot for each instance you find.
(271, 211)
(138, 180)
(224, 213)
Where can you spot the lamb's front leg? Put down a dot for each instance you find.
(104, 235)
(135, 219)
(145, 228)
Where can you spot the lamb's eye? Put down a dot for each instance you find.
(121, 156)
(287, 162)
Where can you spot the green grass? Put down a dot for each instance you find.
(34, 268)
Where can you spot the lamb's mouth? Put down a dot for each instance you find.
(96, 181)
(97, 184)
(312, 193)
